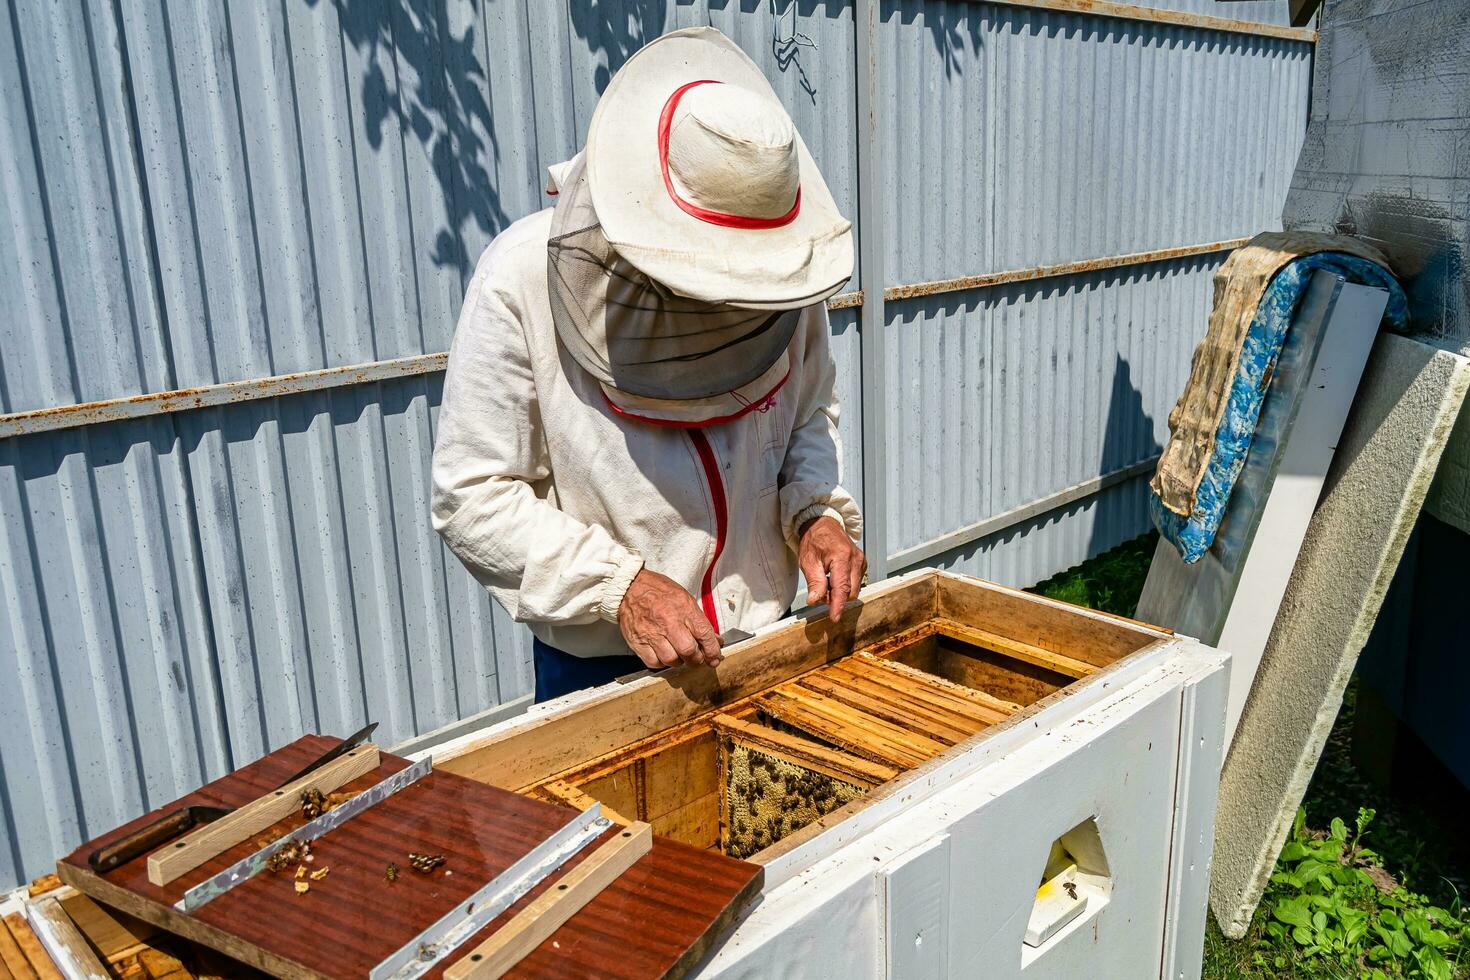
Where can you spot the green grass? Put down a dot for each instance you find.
(1111, 582)
(1394, 888)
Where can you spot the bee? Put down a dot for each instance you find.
(313, 803)
(424, 863)
(296, 852)
(391, 875)
(1071, 890)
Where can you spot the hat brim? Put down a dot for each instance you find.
(796, 264)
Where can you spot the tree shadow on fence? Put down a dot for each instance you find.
(431, 84)
(429, 79)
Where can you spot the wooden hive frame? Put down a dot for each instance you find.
(924, 666)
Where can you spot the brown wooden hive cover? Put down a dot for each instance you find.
(657, 919)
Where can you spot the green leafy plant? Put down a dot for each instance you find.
(1332, 904)
(1112, 581)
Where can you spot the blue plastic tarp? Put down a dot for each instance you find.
(1194, 534)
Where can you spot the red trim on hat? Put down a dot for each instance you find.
(665, 122)
(770, 397)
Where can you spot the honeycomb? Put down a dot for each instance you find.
(765, 797)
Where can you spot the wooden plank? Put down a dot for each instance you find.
(696, 823)
(678, 774)
(1025, 652)
(897, 706)
(617, 788)
(858, 743)
(12, 958)
(43, 884)
(479, 829)
(933, 723)
(917, 742)
(859, 739)
(561, 791)
(832, 762)
(146, 963)
(997, 674)
(920, 696)
(905, 641)
(932, 686)
(536, 923)
(546, 747)
(30, 947)
(109, 931)
(67, 947)
(1071, 631)
(198, 846)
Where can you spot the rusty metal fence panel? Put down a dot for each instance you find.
(239, 238)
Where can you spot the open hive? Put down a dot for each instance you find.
(797, 731)
(778, 747)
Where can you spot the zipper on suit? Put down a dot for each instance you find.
(722, 521)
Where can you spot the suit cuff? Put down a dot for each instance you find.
(812, 512)
(617, 586)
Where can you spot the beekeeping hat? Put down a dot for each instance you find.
(690, 230)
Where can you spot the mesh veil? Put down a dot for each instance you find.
(634, 334)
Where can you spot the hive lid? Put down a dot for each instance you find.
(352, 918)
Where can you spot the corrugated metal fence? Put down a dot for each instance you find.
(217, 208)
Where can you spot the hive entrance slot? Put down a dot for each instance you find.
(1075, 884)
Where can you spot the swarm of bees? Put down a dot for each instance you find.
(768, 798)
(296, 852)
(424, 863)
(313, 803)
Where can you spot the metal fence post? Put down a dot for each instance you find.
(870, 269)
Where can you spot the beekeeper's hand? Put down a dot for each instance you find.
(834, 567)
(664, 625)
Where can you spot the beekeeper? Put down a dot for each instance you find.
(638, 443)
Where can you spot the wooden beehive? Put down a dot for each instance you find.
(805, 724)
(798, 730)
